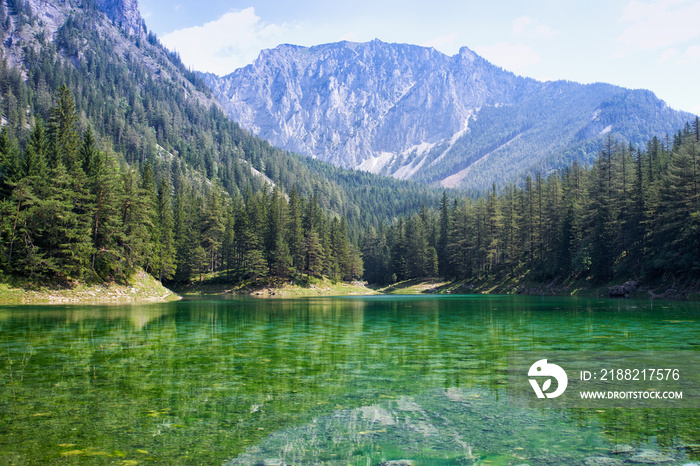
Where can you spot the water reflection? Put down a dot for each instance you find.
(137, 315)
(206, 381)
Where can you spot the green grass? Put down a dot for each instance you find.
(216, 284)
(522, 283)
(415, 286)
(141, 287)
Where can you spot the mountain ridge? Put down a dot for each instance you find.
(144, 104)
(414, 113)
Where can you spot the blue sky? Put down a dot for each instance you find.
(650, 44)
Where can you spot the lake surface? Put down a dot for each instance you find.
(353, 380)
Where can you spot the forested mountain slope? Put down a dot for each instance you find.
(142, 101)
(92, 103)
(633, 215)
(414, 113)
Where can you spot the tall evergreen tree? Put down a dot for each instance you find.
(63, 131)
(443, 235)
(165, 245)
(36, 151)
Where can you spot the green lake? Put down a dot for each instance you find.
(351, 380)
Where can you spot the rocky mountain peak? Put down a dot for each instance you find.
(413, 112)
(123, 12)
(465, 53)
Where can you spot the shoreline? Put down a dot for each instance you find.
(141, 288)
(285, 289)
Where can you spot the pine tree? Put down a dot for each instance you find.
(376, 256)
(11, 170)
(416, 247)
(603, 228)
(340, 250)
(399, 247)
(443, 236)
(63, 131)
(294, 233)
(279, 259)
(166, 242)
(182, 228)
(314, 254)
(677, 237)
(510, 236)
(88, 152)
(552, 220)
(573, 255)
(461, 239)
(528, 220)
(137, 213)
(35, 153)
(228, 243)
(493, 226)
(213, 225)
(59, 230)
(21, 200)
(106, 222)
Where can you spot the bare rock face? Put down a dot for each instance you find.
(348, 102)
(415, 113)
(39, 22)
(123, 12)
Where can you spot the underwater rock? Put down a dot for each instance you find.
(601, 461)
(272, 462)
(650, 457)
(620, 449)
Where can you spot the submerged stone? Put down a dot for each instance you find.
(621, 449)
(650, 457)
(601, 461)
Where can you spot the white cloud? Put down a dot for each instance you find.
(691, 56)
(545, 31)
(668, 55)
(526, 26)
(520, 25)
(510, 57)
(658, 24)
(441, 43)
(221, 46)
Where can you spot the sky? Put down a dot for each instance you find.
(648, 44)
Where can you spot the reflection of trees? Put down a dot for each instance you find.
(209, 378)
(137, 315)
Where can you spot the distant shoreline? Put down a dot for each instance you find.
(143, 289)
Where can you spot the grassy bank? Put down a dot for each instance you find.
(215, 284)
(143, 287)
(657, 289)
(140, 288)
(415, 286)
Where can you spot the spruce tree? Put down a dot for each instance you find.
(63, 131)
(166, 251)
(36, 151)
(105, 227)
(443, 236)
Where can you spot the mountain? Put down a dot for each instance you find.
(145, 105)
(414, 113)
